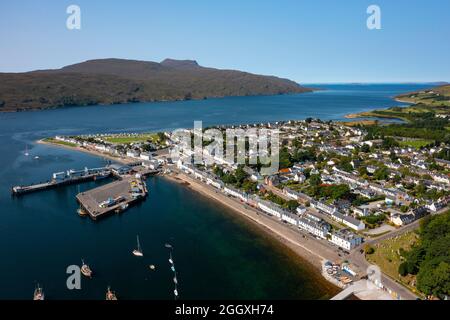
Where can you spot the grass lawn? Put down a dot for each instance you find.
(415, 143)
(138, 138)
(64, 143)
(387, 256)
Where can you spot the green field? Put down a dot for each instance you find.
(387, 256)
(436, 97)
(64, 143)
(415, 143)
(153, 137)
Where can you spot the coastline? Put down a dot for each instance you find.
(373, 114)
(91, 152)
(311, 253)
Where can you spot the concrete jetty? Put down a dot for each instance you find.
(113, 197)
(63, 178)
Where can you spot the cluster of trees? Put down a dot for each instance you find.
(424, 126)
(382, 173)
(332, 191)
(291, 204)
(374, 220)
(239, 179)
(444, 154)
(430, 258)
(299, 155)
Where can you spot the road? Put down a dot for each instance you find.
(359, 260)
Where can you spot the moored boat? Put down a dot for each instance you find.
(81, 212)
(38, 293)
(110, 295)
(138, 251)
(85, 269)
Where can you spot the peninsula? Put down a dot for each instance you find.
(117, 81)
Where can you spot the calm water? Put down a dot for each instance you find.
(217, 254)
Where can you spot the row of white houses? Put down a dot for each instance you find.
(305, 221)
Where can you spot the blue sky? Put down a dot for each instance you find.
(306, 41)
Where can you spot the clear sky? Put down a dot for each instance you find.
(307, 41)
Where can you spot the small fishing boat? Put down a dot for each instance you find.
(167, 245)
(152, 267)
(138, 251)
(172, 268)
(85, 269)
(170, 259)
(81, 212)
(175, 280)
(110, 295)
(175, 292)
(26, 153)
(38, 293)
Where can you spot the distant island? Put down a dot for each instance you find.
(116, 81)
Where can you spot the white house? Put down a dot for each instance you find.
(133, 154)
(317, 228)
(349, 221)
(236, 193)
(146, 156)
(345, 239)
(401, 219)
(290, 218)
(362, 211)
(153, 165)
(323, 207)
(270, 208)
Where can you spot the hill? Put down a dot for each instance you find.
(436, 97)
(113, 81)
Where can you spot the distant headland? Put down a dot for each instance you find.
(117, 81)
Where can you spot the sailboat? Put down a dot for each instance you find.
(38, 293)
(138, 251)
(110, 295)
(85, 269)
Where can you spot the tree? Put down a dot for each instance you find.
(314, 180)
(434, 280)
(240, 175)
(285, 159)
(430, 258)
(369, 250)
(365, 148)
(402, 269)
(381, 173)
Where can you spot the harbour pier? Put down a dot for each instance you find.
(114, 197)
(64, 178)
(128, 188)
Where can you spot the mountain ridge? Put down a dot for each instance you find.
(115, 81)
